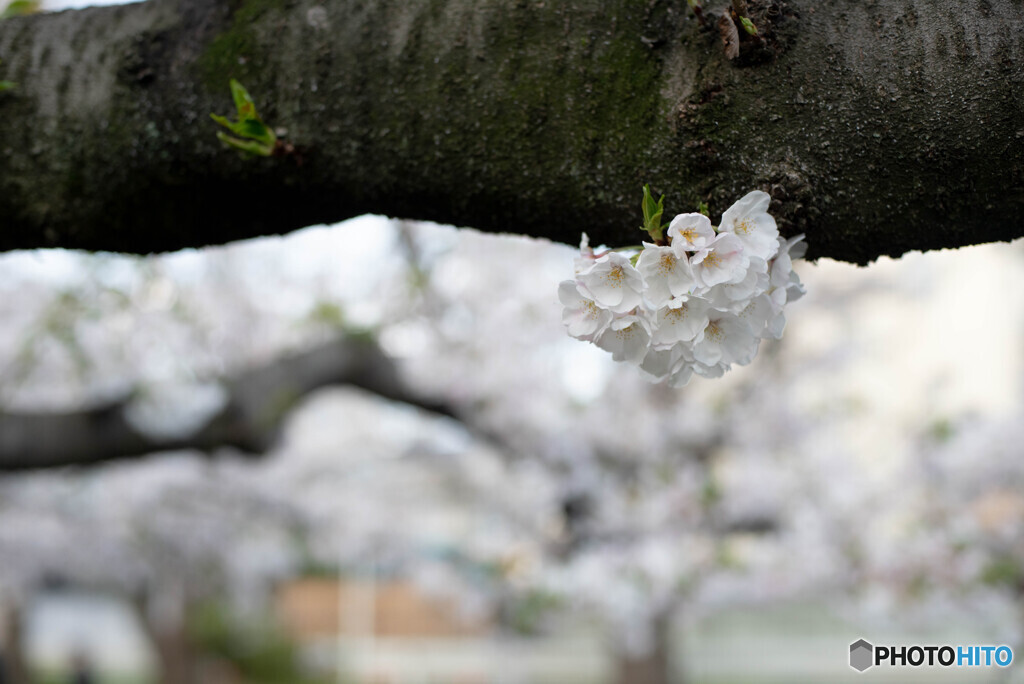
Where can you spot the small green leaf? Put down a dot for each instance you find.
(257, 130)
(652, 214)
(243, 102)
(703, 208)
(19, 8)
(254, 136)
(648, 206)
(248, 146)
(223, 121)
(748, 26)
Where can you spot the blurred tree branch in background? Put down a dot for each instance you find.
(258, 400)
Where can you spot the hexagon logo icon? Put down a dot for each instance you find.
(861, 653)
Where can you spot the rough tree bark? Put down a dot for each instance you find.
(878, 125)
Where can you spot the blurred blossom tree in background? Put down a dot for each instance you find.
(955, 536)
(534, 479)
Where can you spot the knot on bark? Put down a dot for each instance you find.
(776, 29)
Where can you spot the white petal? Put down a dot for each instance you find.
(627, 338)
(681, 376)
(682, 323)
(689, 232)
(755, 202)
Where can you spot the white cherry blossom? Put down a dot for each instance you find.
(782, 273)
(734, 297)
(627, 338)
(727, 340)
(756, 314)
(775, 326)
(657, 365)
(692, 307)
(683, 320)
(749, 220)
(674, 364)
(720, 261)
(716, 370)
(785, 285)
(755, 281)
(689, 233)
(612, 282)
(581, 315)
(665, 273)
(586, 257)
(681, 375)
(682, 367)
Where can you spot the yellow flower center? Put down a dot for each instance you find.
(668, 262)
(743, 226)
(678, 314)
(615, 276)
(713, 332)
(627, 333)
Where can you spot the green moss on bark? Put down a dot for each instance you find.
(240, 51)
(877, 127)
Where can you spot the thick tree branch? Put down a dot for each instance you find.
(879, 126)
(258, 400)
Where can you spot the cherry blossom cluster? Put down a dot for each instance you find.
(697, 300)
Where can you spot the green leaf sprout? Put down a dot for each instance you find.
(253, 136)
(652, 215)
(19, 8)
